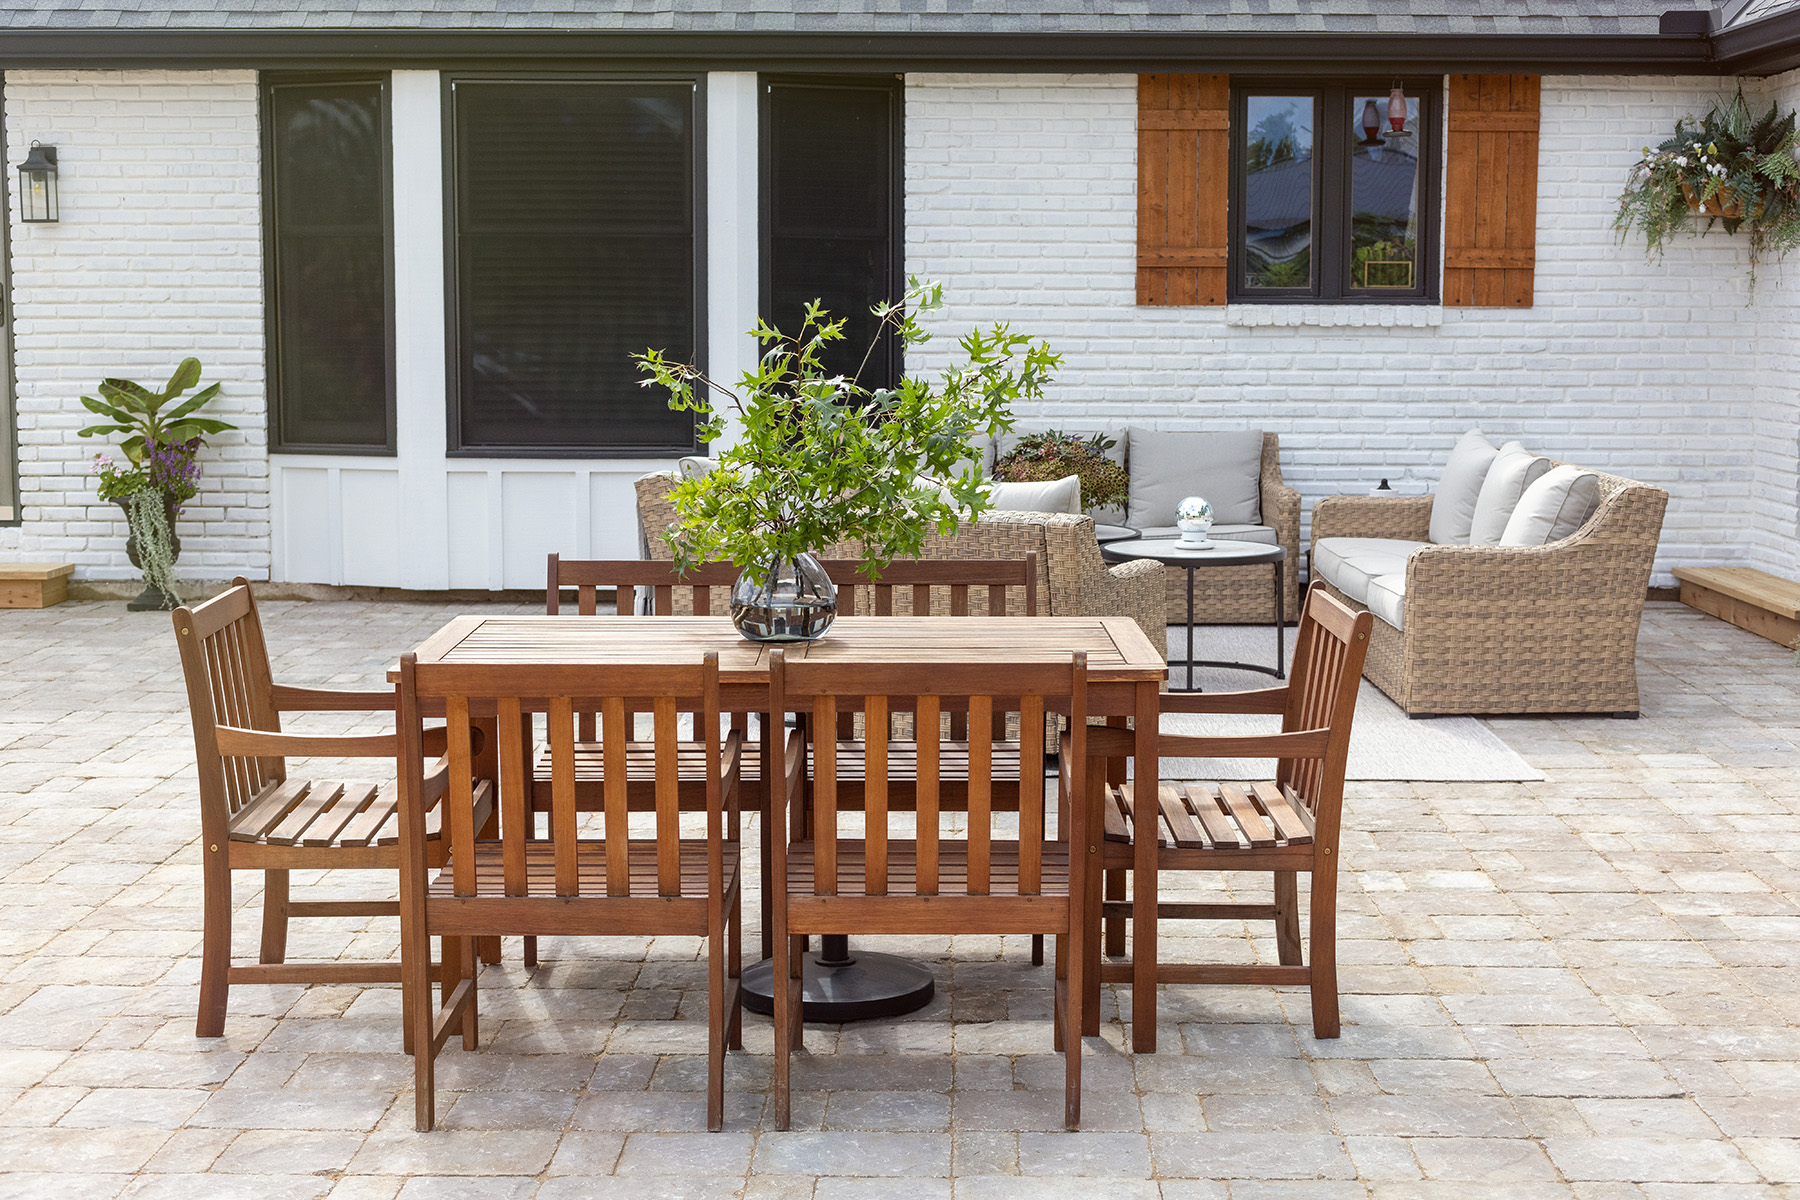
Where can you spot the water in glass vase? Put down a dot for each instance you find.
(792, 600)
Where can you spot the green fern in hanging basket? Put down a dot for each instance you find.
(1729, 168)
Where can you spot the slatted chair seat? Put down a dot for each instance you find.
(1214, 816)
(640, 768)
(953, 870)
(309, 813)
(594, 884)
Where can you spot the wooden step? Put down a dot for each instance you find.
(1765, 604)
(34, 585)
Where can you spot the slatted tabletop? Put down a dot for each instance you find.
(1118, 652)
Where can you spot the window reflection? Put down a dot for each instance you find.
(1384, 196)
(1278, 192)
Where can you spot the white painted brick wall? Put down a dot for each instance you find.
(1021, 197)
(157, 256)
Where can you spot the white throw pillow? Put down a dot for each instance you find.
(1052, 496)
(695, 467)
(1453, 508)
(1558, 504)
(1513, 470)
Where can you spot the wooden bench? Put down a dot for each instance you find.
(1765, 604)
(34, 585)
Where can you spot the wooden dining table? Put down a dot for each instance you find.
(1125, 674)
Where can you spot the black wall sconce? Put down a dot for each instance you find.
(37, 184)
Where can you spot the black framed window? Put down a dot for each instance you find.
(1334, 192)
(575, 224)
(831, 211)
(328, 264)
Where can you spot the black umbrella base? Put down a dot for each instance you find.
(845, 985)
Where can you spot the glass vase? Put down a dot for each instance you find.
(790, 600)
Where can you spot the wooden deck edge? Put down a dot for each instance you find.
(1753, 600)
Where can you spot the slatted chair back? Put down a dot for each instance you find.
(591, 576)
(522, 865)
(822, 691)
(917, 581)
(225, 663)
(1306, 799)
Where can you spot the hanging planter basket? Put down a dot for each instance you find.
(1726, 204)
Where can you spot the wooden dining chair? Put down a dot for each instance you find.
(568, 884)
(1287, 826)
(255, 816)
(829, 883)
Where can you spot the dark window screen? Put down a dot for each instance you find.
(831, 217)
(575, 249)
(329, 345)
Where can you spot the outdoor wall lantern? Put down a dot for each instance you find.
(37, 184)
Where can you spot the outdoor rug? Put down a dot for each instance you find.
(1384, 742)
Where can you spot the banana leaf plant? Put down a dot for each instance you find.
(133, 409)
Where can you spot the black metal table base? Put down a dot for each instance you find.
(1279, 670)
(845, 985)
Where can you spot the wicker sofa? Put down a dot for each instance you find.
(1506, 629)
(1073, 580)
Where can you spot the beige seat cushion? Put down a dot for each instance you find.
(1453, 507)
(1349, 564)
(1513, 470)
(1554, 507)
(1387, 598)
(1222, 533)
(1167, 466)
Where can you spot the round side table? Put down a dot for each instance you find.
(1221, 554)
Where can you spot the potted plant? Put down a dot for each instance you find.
(1730, 169)
(160, 472)
(820, 458)
(1053, 454)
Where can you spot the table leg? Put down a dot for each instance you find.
(1280, 625)
(1190, 630)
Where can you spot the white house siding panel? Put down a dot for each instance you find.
(157, 256)
(1021, 196)
(1776, 430)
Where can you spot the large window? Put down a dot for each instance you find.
(329, 265)
(575, 216)
(1334, 192)
(831, 212)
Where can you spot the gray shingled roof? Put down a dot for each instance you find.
(1579, 17)
(1743, 13)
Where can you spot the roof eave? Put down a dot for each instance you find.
(1261, 53)
(1762, 47)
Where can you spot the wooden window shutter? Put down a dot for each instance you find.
(1490, 191)
(1183, 170)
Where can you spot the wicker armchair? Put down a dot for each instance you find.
(1511, 629)
(1073, 580)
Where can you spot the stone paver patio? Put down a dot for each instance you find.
(1582, 987)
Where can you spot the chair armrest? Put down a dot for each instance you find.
(1262, 700)
(1405, 518)
(261, 743)
(288, 698)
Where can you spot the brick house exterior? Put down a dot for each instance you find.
(1019, 195)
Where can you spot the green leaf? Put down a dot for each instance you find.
(131, 395)
(198, 399)
(186, 376)
(195, 426)
(133, 448)
(105, 410)
(92, 430)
